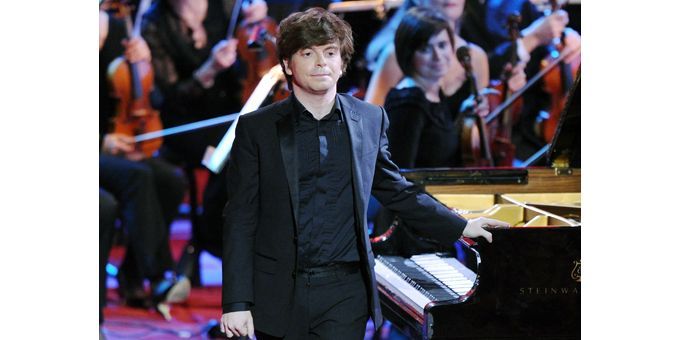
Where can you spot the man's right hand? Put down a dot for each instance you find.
(238, 324)
(475, 227)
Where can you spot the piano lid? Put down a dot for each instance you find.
(451, 176)
(565, 148)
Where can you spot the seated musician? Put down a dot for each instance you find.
(196, 69)
(424, 123)
(423, 120)
(143, 192)
(485, 24)
(197, 76)
(382, 59)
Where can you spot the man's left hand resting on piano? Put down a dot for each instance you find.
(475, 227)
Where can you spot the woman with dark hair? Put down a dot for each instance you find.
(381, 57)
(423, 130)
(424, 127)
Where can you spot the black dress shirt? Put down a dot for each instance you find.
(326, 225)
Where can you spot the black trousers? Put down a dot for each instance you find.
(148, 195)
(108, 211)
(331, 307)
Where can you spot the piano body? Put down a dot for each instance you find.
(527, 283)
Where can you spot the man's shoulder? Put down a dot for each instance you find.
(360, 106)
(267, 113)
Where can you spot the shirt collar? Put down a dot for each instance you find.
(334, 114)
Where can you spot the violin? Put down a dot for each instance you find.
(131, 84)
(216, 157)
(557, 82)
(475, 149)
(500, 130)
(256, 49)
(498, 111)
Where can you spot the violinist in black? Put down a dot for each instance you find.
(485, 24)
(197, 76)
(425, 124)
(143, 194)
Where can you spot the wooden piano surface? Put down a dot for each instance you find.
(516, 209)
(537, 180)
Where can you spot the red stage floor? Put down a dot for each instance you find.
(191, 319)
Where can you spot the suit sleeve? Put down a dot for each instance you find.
(418, 209)
(241, 216)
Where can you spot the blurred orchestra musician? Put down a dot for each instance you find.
(425, 124)
(196, 69)
(137, 188)
(485, 24)
(198, 75)
(382, 61)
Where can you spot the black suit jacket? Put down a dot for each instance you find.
(260, 231)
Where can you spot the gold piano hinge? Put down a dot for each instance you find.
(561, 165)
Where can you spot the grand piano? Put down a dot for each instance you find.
(527, 283)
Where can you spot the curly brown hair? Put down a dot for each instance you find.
(314, 27)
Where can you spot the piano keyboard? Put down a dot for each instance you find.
(423, 279)
(448, 270)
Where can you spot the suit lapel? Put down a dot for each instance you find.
(353, 119)
(286, 131)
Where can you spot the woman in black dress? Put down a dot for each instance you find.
(424, 127)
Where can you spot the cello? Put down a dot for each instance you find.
(557, 82)
(131, 84)
(475, 149)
